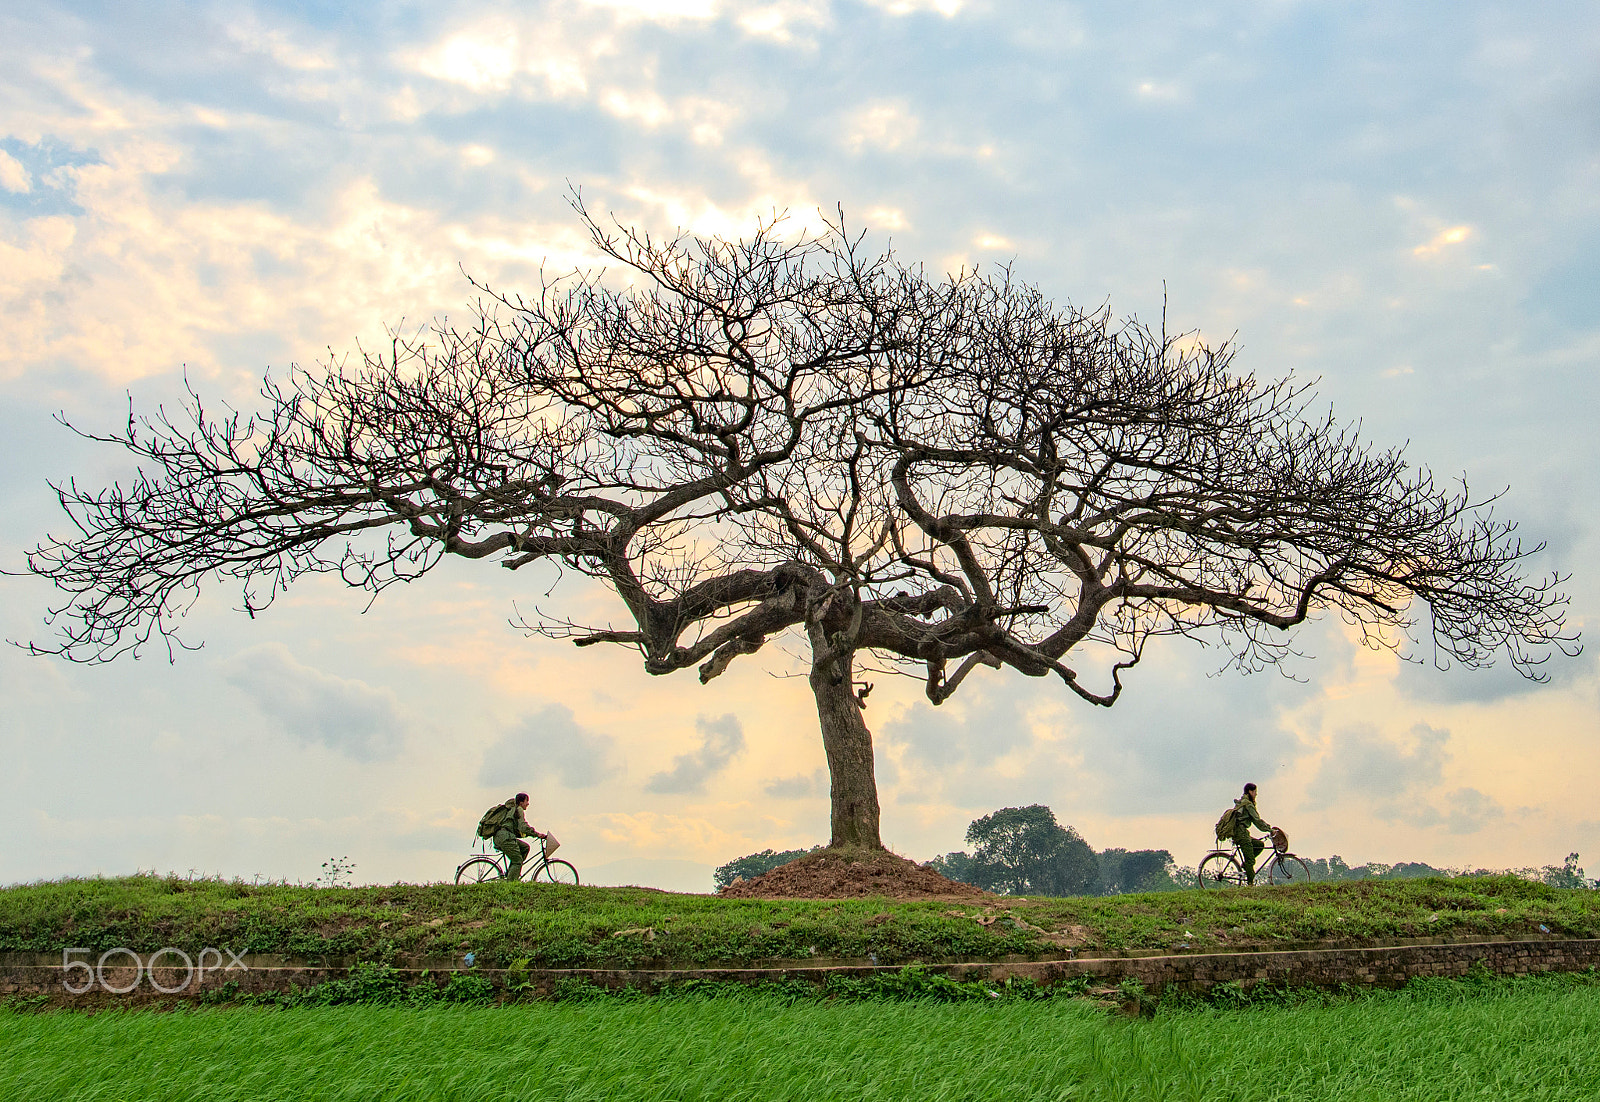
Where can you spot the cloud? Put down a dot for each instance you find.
(1364, 764)
(13, 177)
(885, 126)
(801, 786)
(953, 739)
(318, 708)
(1392, 779)
(648, 833)
(1468, 811)
(551, 742)
(720, 740)
(38, 179)
(1423, 680)
(1176, 741)
(1180, 740)
(1455, 235)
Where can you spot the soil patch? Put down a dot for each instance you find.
(847, 874)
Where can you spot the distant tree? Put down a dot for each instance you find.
(957, 866)
(1024, 851)
(1565, 875)
(1335, 868)
(1139, 870)
(792, 437)
(755, 864)
(1406, 870)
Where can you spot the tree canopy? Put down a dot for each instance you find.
(795, 435)
(1025, 851)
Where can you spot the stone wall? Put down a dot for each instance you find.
(114, 980)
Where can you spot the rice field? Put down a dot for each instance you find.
(1531, 1039)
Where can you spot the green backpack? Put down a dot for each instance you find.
(1225, 824)
(496, 817)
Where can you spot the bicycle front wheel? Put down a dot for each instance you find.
(477, 870)
(1288, 869)
(559, 872)
(1219, 870)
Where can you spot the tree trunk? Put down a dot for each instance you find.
(849, 747)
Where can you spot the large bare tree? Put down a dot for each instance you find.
(791, 435)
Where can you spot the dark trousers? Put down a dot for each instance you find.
(516, 852)
(1250, 849)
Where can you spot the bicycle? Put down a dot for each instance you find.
(487, 866)
(1224, 868)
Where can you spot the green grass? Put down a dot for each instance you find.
(554, 926)
(1504, 1040)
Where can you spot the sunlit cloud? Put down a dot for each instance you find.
(705, 120)
(654, 833)
(13, 177)
(696, 213)
(885, 126)
(887, 219)
(484, 59)
(1161, 92)
(1455, 235)
(946, 8)
(658, 11)
(781, 21)
(253, 36)
(494, 57)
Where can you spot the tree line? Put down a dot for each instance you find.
(1027, 851)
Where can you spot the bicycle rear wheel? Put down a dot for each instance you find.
(1219, 870)
(477, 870)
(1287, 869)
(559, 872)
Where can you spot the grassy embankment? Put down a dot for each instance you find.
(1437, 1039)
(552, 926)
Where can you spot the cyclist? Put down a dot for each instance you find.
(508, 839)
(1245, 816)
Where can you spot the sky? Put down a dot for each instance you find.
(1401, 202)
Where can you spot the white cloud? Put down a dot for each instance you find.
(659, 11)
(1454, 235)
(884, 126)
(483, 59)
(551, 742)
(1398, 780)
(318, 708)
(721, 740)
(1156, 91)
(13, 177)
(783, 20)
(799, 787)
(650, 833)
(946, 8)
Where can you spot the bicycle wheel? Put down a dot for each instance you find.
(1219, 870)
(559, 872)
(1287, 869)
(477, 870)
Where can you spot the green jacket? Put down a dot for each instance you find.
(1245, 817)
(517, 827)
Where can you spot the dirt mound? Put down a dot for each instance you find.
(851, 874)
